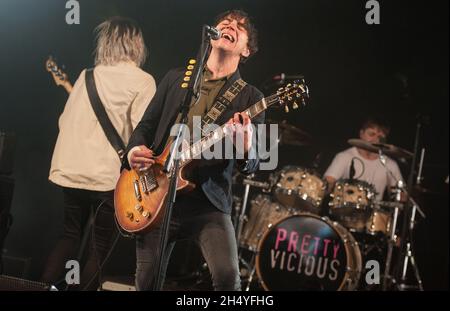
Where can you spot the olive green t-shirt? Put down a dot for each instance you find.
(209, 89)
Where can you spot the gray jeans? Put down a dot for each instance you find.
(197, 219)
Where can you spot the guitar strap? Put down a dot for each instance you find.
(222, 102)
(108, 128)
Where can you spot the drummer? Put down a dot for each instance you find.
(364, 165)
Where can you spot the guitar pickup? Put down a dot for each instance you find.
(137, 191)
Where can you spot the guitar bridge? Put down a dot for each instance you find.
(148, 181)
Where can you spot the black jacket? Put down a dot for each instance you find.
(154, 128)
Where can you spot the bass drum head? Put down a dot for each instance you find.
(306, 252)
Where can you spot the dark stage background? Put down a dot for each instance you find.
(398, 68)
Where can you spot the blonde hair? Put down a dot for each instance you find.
(119, 39)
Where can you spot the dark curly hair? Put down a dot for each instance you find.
(248, 26)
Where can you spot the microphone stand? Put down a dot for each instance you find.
(172, 164)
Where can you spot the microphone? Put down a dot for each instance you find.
(213, 32)
(283, 76)
(352, 169)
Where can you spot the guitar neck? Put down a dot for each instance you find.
(68, 87)
(196, 149)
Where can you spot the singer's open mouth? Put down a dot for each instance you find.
(228, 37)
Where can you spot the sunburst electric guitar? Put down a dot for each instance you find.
(140, 197)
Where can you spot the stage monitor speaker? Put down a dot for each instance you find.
(7, 146)
(9, 283)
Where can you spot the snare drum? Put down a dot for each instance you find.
(352, 202)
(306, 252)
(300, 188)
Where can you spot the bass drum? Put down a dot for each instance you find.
(307, 252)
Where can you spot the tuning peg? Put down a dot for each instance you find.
(192, 61)
(186, 79)
(188, 73)
(190, 67)
(286, 108)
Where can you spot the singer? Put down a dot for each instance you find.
(365, 165)
(204, 214)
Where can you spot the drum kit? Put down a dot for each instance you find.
(296, 234)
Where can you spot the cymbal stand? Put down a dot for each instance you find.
(408, 253)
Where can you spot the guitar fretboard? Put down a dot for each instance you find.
(213, 137)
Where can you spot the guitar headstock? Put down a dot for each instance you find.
(58, 75)
(294, 94)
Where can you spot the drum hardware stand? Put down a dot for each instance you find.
(247, 182)
(237, 201)
(250, 266)
(241, 218)
(407, 238)
(392, 239)
(406, 245)
(409, 254)
(238, 227)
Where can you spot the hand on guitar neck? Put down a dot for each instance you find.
(60, 77)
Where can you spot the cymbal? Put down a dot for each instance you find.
(387, 149)
(291, 135)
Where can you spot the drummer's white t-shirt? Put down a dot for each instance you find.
(371, 171)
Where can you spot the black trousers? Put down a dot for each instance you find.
(195, 218)
(78, 206)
